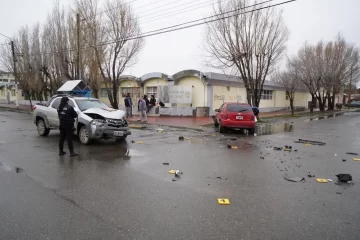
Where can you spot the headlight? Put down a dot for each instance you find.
(97, 122)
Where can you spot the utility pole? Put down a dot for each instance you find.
(15, 73)
(78, 46)
(351, 73)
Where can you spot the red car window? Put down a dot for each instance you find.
(233, 107)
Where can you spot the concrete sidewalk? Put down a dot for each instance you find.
(193, 121)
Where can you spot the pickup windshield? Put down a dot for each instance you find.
(85, 104)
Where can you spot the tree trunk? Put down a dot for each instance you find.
(27, 93)
(292, 105)
(331, 102)
(115, 103)
(322, 102)
(312, 103)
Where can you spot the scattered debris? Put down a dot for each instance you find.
(233, 139)
(132, 141)
(231, 147)
(322, 180)
(174, 180)
(293, 179)
(338, 193)
(140, 142)
(309, 142)
(172, 171)
(181, 138)
(218, 177)
(262, 158)
(295, 150)
(351, 153)
(214, 135)
(223, 201)
(344, 160)
(329, 180)
(356, 159)
(160, 130)
(166, 163)
(178, 173)
(344, 177)
(310, 176)
(255, 134)
(278, 148)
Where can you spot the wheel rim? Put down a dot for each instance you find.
(84, 137)
(41, 127)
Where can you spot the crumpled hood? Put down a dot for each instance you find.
(107, 112)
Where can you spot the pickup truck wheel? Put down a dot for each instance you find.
(84, 136)
(41, 128)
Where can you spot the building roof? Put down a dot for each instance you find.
(153, 75)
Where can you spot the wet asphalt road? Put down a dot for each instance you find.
(123, 190)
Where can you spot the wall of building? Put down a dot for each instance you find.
(199, 91)
(280, 99)
(223, 94)
(154, 83)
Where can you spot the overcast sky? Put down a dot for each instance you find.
(308, 20)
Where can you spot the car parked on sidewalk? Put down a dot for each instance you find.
(95, 119)
(235, 116)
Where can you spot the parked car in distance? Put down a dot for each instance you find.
(95, 119)
(235, 116)
(353, 104)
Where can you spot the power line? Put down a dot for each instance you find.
(172, 13)
(172, 28)
(5, 36)
(198, 24)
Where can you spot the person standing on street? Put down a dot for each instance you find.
(128, 105)
(142, 109)
(66, 115)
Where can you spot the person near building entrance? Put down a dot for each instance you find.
(67, 115)
(142, 107)
(128, 105)
(152, 103)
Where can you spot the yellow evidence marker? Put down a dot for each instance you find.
(356, 159)
(172, 171)
(234, 147)
(287, 149)
(139, 142)
(223, 201)
(308, 144)
(321, 180)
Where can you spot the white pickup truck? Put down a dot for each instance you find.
(95, 119)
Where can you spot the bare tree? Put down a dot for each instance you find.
(290, 81)
(251, 44)
(113, 38)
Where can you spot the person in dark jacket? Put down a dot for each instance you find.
(128, 105)
(66, 115)
(152, 103)
(256, 112)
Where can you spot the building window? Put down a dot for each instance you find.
(267, 94)
(151, 91)
(13, 93)
(103, 92)
(134, 92)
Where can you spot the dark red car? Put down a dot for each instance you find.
(235, 116)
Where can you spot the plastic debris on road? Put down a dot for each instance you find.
(160, 130)
(181, 138)
(278, 148)
(306, 142)
(356, 159)
(344, 177)
(322, 180)
(223, 201)
(140, 142)
(293, 179)
(172, 171)
(351, 153)
(231, 146)
(166, 163)
(214, 135)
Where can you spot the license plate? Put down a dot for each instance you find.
(239, 117)
(118, 133)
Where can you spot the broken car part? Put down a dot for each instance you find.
(293, 179)
(344, 177)
(310, 142)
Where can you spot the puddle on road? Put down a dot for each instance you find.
(8, 168)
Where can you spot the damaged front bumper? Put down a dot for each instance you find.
(107, 130)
